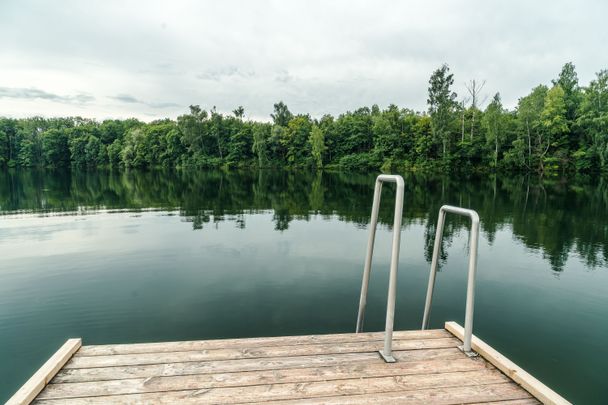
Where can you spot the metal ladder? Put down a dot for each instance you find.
(474, 242)
(387, 353)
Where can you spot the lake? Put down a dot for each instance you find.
(120, 257)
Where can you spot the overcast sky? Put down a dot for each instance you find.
(152, 59)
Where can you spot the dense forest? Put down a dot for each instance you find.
(562, 127)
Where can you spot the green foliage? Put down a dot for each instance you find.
(55, 148)
(529, 110)
(281, 115)
(442, 103)
(593, 119)
(358, 162)
(564, 127)
(317, 145)
(261, 135)
(493, 123)
(555, 126)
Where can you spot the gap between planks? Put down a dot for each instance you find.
(343, 371)
(160, 347)
(227, 366)
(259, 352)
(497, 394)
(480, 382)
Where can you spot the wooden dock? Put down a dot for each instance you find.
(320, 369)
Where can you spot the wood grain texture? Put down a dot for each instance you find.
(498, 393)
(290, 391)
(528, 401)
(512, 370)
(40, 379)
(256, 352)
(315, 369)
(228, 366)
(135, 348)
(373, 368)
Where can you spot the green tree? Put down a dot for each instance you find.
(493, 123)
(529, 112)
(259, 147)
(114, 153)
(239, 112)
(8, 141)
(172, 151)
(281, 115)
(568, 81)
(442, 103)
(133, 153)
(317, 145)
(555, 126)
(295, 139)
(55, 148)
(192, 128)
(594, 122)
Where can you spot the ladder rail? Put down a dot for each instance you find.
(386, 353)
(473, 248)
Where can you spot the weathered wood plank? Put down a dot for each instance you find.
(375, 368)
(528, 401)
(481, 394)
(105, 350)
(539, 390)
(40, 379)
(259, 352)
(288, 391)
(228, 366)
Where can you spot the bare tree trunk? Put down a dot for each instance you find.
(472, 124)
(496, 152)
(219, 147)
(462, 136)
(529, 144)
(474, 90)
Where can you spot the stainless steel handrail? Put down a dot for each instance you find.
(387, 353)
(474, 241)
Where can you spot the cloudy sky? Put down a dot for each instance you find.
(151, 59)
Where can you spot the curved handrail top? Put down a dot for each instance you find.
(461, 211)
(391, 178)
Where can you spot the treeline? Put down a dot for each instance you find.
(562, 127)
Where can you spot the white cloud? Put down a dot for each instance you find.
(152, 59)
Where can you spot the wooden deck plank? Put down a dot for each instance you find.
(373, 368)
(227, 366)
(529, 401)
(512, 370)
(290, 391)
(434, 396)
(40, 379)
(258, 352)
(314, 369)
(159, 347)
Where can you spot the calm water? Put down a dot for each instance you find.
(135, 257)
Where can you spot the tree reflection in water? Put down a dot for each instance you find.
(556, 216)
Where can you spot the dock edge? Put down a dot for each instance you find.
(539, 390)
(28, 392)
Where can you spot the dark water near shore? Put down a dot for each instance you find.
(154, 256)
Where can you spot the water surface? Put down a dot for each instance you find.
(155, 256)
